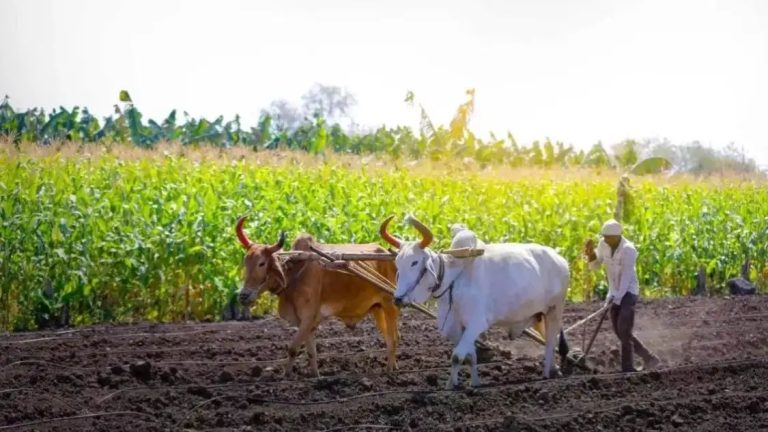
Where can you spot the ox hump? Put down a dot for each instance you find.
(303, 242)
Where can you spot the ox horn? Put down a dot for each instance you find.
(241, 235)
(426, 234)
(389, 238)
(279, 245)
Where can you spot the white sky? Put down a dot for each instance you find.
(574, 71)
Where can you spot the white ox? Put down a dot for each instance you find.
(511, 286)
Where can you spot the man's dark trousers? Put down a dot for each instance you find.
(623, 320)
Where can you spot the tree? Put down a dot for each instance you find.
(597, 156)
(734, 159)
(698, 159)
(549, 153)
(626, 153)
(285, 116)
(663, 148)
(330, 102)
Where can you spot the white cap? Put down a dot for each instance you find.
(611, 228)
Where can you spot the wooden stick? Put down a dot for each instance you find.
(336, 256)
(366, 256)
(364, 265)
(298, 255)
(391, 292)
(585, 320)
(597, 329)
(464, 252)
(534, 335)
(372, 256)
(374, 275)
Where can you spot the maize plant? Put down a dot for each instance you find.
(105, 238)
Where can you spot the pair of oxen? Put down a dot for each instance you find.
(511, 285)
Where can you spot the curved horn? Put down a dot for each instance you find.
(277, 246)
(241, 235)
(426, 234)
(389, 238)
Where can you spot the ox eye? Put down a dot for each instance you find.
(262, 264)
(413, 264)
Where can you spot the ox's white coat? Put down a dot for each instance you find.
(508, 286)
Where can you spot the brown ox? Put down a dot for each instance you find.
(308, 293)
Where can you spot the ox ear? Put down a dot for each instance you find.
(275, 270)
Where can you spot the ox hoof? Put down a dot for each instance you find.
(450, 385)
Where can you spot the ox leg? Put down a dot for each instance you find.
(452, 330)
(312, 353)
(453, 381)
(393, 314)
(466, 350)
(553, 321)
(387, 325)
(305, 331)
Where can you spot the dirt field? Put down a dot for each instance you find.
(225, 376)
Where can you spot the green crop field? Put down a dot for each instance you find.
(114, 237)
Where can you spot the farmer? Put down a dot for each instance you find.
(619, 256)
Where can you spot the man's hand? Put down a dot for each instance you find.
(608, 300)
(589, 250)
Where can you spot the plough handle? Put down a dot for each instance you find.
(585, 320)
(597, 329)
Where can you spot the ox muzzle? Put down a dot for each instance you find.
(247, 296)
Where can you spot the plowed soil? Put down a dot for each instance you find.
(227, 376)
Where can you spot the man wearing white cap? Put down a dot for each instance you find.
(619, 256)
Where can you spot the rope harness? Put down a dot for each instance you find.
(287, 265)
(449, 289)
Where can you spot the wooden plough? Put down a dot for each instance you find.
(354, 263)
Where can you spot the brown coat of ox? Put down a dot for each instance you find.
(308, 293)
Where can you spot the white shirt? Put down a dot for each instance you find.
(620, 268)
